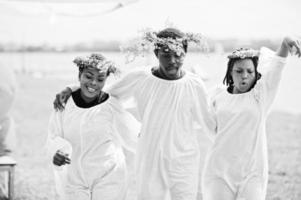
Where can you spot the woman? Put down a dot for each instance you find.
(237, 164)
(91, 135)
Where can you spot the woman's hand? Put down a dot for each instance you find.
(61, 99)
(60, 158)
(290, 43)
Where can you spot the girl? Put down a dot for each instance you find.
(237, 165)
(90, 135)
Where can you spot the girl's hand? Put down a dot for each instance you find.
(61, 99)
(293, 43)
(60, 158)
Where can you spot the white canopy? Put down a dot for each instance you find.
(70, 21)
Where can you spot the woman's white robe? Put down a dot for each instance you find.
(239, 152)
(95, 138)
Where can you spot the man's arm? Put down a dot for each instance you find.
(62, 97)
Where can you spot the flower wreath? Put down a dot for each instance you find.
(243, 53)
(96, 61)
(148, 41)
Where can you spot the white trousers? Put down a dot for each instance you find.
(112, 186)
(215, 188)
(175, 179)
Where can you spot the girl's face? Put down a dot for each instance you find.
(91, 83)
(243, 75)
(170, 63)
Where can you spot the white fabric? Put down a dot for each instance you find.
(217, 188)
(168, 150)
(239, 153)
(8, 88)
(95, 138)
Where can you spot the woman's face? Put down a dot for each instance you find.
(243, 75)
(91, 83)
(170, 63)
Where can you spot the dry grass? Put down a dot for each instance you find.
(284, 139)
(34, 180)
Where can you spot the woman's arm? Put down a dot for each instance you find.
(288, 44)
(58, 148)
(271, 64)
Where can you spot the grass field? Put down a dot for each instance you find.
(34, 180)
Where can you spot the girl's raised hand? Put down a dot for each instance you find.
(293, 44)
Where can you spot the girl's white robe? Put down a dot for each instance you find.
(239, 152)
(168, 151)
(95, 139)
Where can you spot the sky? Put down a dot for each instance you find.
(63, 22)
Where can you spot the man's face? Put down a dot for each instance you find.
(170, 63)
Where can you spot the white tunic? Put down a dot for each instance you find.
(239, 152)
(94, 138)
(170, 110)
(8, 89)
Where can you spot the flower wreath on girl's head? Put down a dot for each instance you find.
(149, 41)
(243, 53)
(96, 61)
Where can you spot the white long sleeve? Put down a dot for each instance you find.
(127, 86)
(55, 139)
(202, 112)
(271, 67)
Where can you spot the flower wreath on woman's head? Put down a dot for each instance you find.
(243, 53)
(149, 41)
(96, 61)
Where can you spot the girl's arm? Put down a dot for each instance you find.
(56, 145)
(288, 44)
(271, 64)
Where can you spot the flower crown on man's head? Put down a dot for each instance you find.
(149, 41)
(96, 61)
(243, 53)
